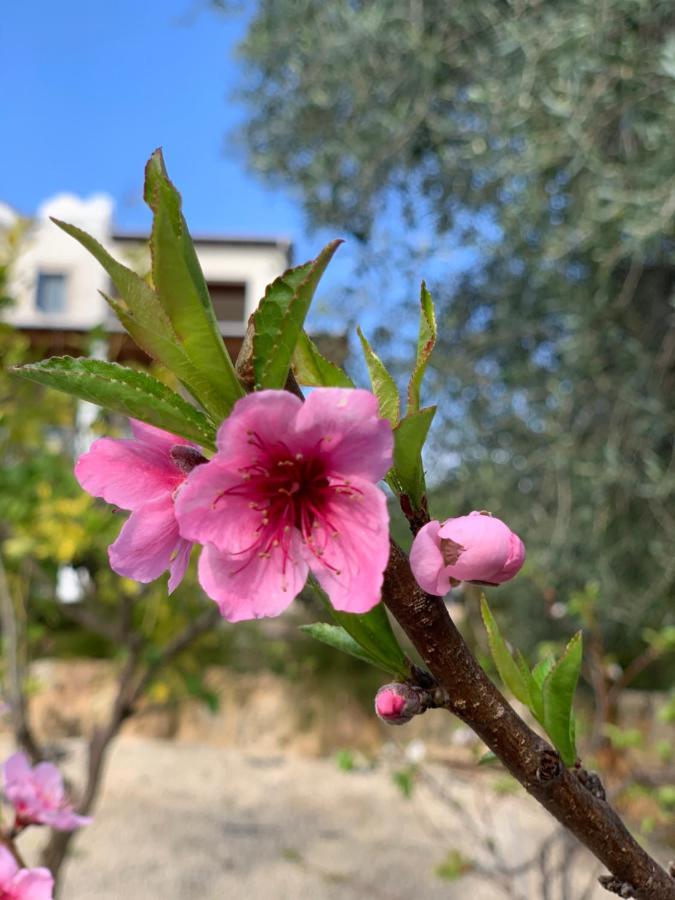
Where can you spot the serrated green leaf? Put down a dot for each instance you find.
(536, 702)
(542, 669)
(280, 317)
(372, 631)
(425, 344)
(142, 314)
(384, 386)
(558, 693)
(313, 369)
(125, 391)
(409, 437)
(336, 636)
(181, 288)
(509, 672)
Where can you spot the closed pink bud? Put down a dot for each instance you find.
(477, 547)
(397, 703)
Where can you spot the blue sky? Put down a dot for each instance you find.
(90, 89)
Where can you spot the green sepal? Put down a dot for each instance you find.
(313, 369)
(558, 692)
(509, 672)
(410, 434)
(279, 319)
(384, 386)
(182, 291)
(425, 344)
(125, 391)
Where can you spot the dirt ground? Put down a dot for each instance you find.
(178, 821)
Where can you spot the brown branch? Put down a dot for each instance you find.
(527, 756)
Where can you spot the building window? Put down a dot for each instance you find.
(51, 292)
(229, 300)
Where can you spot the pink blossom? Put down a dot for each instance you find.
(477, 547)
(292, 489)
(38, 796)
(23, 884)
(397, 703)
(143, 475)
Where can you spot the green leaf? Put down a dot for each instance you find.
(280, 317)
(509, 672)
(558, 692)
(372, 631)
(142, 314)
(536, 702)
(125, 391)
(489, 759)
(425, 345)
(183, 293)
(336, 636)
(409, 437)
(384, 386)
(542, 669)
(313, 369)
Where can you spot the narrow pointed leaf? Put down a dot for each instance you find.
(372, 631)
(536, 701)
(384, 386)
(313, 369)
(409, 437)
(280, 317)
(182, 290)
(125, 391)
(542, 669)
(509, 672)
(336, 636)
(558, 693)
(142, 314)
(425, 345)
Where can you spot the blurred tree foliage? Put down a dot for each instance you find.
(539, 134)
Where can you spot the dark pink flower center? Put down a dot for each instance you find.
(290, 491)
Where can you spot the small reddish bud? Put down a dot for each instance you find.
(397, 703)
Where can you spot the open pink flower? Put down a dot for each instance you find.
(23, 884)
(292, 488)
(38, 796)
(143, 475)
(477, 547)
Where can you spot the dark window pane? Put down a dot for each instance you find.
(51, 292)
(229, 301)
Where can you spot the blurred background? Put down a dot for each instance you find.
(518, 156)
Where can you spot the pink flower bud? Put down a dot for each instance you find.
(477, 547)
(397, 703)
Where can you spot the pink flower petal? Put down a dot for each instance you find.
(16, 768)
(358, 548)
(8, 867)
(347, 426)
(206, 515)
(49, 782)
(259, 588)
(426, 561)
(32, 884)
(155, 437)
(126, 473)
(487, 543)
(179, 565)
(265, 415)
(147, 542)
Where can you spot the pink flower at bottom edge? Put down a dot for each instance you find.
(23, 884)
(478, 547)
(292, 489)
(38, 796)
(143, 475)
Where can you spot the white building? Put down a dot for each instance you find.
(55, 282)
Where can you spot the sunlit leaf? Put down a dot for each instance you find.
(313, 369)
(425, 345)
(384, 386)
(558, 691)
(509, 672)
(409, 437)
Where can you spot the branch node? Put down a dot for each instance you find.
(591, 781)
(550, 766)
(617, 886)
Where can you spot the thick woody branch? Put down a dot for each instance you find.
(528, 757)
